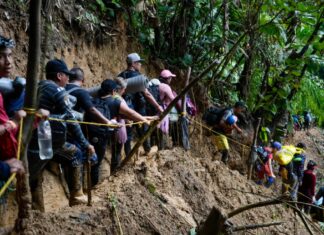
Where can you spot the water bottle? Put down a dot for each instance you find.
(45, 140)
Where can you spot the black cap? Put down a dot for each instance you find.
(107, 87)
(57, 66)
(240, 104)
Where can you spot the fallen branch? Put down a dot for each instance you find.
(254, 205)
(255, 226)
(295, 208)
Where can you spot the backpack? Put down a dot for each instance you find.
(213, 115)
(263, 154)
(154, 90)
(285, 155)
(102, 106)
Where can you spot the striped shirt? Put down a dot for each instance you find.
(55, 99)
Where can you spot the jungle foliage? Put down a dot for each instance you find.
(277, 65)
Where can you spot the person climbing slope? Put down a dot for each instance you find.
(224, 129)
(284, 155)
(264, 166)
(299, 161)
(307, 188)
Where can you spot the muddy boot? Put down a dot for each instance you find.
(37, 195)
(225, 156)
(76, 193)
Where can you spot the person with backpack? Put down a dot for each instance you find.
(222, 130)
(218, 116)
(284, 155)
(83, 98)
(112, 108)
(157, 137)
(137, 101)
(264, 166)
(307, 188)
(53, 97)
(299, 161)
(162, 92)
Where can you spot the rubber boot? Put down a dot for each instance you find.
(225, 156)
(37, 195)
(76, 193)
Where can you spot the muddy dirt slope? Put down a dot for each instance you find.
(168, 194)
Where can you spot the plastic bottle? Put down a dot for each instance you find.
(45, 140)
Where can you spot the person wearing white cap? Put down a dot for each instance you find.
(138, 100)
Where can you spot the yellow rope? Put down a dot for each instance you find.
(215, 132)
(218, 133)
(30, 111)
(11, 178)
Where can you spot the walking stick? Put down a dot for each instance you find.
(88, 165)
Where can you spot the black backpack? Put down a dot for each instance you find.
(154, 90)
(213, 115)
(102, 106)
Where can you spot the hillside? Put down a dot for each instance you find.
(170, 193)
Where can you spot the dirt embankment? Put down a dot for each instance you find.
(168, 194)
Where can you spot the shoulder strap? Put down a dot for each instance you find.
(73, 89)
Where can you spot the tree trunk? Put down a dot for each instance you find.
(23, 191)
(225, 25)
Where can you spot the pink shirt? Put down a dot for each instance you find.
(166, 95)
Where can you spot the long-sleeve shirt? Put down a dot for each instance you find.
(309, 182)
(56, 100)
(8, 141)
(4, 171)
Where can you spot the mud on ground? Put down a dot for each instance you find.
(168, 194)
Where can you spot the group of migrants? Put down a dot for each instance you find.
(297, 183)
(302, 121)
(62, 97)
(63, 102)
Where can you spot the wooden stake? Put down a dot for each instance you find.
(88, 166)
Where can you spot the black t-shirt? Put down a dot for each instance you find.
(129, 74)
(55, 99)
(114, 106)
(83, 98)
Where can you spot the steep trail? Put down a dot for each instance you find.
(167, 194)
